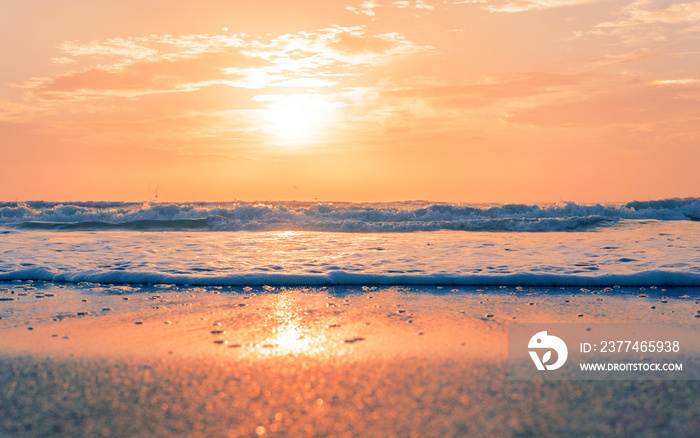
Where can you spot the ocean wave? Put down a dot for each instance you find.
(342, 278)
(139, 225)
(344, 217)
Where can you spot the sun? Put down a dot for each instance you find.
(299, 118)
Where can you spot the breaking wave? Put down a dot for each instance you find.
(343, 217)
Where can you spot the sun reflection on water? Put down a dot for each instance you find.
(288, 233)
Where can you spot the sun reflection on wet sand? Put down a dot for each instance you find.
(291, 335)
(318, 325)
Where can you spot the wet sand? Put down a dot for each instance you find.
(87, 360)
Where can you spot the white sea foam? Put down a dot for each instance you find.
(338, 278)
(629, 252)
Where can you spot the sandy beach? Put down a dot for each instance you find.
(91, 360)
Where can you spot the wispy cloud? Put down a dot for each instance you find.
(425, 106)
(529, 84)
(641, 105)
(607, 60)
(368, 7)
(675, 81)
(418, 4)
(650, 20)
(211, 93)
(143, 76)
(524, 5)
(157, 64)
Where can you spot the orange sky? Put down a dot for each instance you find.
(472, 101)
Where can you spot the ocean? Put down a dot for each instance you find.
(335, 319)
(653, 243)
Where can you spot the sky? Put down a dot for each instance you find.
(454, 101)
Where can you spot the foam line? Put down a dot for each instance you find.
(336, 278)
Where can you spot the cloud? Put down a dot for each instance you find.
(653, 12)
(524, 5)
(159, 64)
(368, 7)
(208, 93)
(340, 46)
(141, 65)
(305, 83)
(365, 8)
(405, 4)
(144, 76)
(608, 60)
(674, 81)
(349, 42)
(427, 106)
(529, 84)
(131, 48)
(650, 20)
(642, 104)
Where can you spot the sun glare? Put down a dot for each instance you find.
(299, 118)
